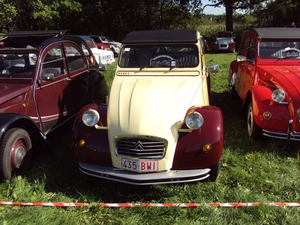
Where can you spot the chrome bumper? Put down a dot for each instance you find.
(164, 177)
(290, 135)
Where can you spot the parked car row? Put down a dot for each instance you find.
(102, 56)
(104, 40)
(158, 126)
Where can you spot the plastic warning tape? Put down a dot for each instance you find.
(118, 205)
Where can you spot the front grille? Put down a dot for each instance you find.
(141, 147)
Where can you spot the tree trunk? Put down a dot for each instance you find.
(229, 15)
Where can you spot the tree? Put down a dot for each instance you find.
(39, 14)
(7, 14)
(231, 5)
(277, 13)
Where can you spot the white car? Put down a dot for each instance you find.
(102, 57)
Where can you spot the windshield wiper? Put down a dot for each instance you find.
(20, 70)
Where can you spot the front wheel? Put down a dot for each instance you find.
(254, 131)
(14, 153)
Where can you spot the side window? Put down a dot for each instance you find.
(74, 59)
(54, 62)
(244, 47)
(251, 50)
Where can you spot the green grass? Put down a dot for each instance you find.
(266, 171)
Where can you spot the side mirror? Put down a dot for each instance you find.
(213, 68)
(102, 67)
(241, 58)
(48, 77)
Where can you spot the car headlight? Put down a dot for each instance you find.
(194, 121)
(278, 95)
(90, 117)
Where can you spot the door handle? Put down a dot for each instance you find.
(68, 79)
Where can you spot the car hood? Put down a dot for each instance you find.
(153, 106)
(11, 90)
(286, 78)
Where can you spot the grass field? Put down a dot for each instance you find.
(263, 172)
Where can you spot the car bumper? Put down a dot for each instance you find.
(163, 177)
(289, 135)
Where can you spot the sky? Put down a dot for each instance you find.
(212, 10)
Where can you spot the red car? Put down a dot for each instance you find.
(44, 81)
(266, 76)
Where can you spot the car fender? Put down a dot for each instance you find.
(91, 144)
(188, 153)
(10, 120)
(262, 102)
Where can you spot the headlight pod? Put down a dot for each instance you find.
(278, 95)
(194, 121)
(90, 117)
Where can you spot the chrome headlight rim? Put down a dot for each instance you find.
(278, 95)
(194, 120)
(90, 117)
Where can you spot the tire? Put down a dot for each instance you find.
(214, 171)
(254, 131)
(14, 153)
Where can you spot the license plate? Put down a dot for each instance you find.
(140, 165)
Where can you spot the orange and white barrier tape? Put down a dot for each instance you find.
(118, 205)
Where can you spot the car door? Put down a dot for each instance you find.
(246, 68)
(53, 93)
(77, 67)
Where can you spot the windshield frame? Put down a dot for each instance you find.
(159, 56)
(279, 49)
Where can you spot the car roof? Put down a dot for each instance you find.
(21, 39)
(277, 32)
(161, 36)
(47, 33)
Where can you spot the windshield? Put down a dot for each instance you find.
(270, 49)
(17, 64)
(142, 56)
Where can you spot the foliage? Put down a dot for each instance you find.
(7, 13)
(116, 18)
(231, 5)
(277, 13)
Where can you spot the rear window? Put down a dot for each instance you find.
(140, 56)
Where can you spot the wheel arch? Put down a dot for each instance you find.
(14, 120)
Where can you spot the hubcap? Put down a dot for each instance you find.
(18, 153)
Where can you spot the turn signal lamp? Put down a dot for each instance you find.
(206, 148)
(267, 115)
(81, 143)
